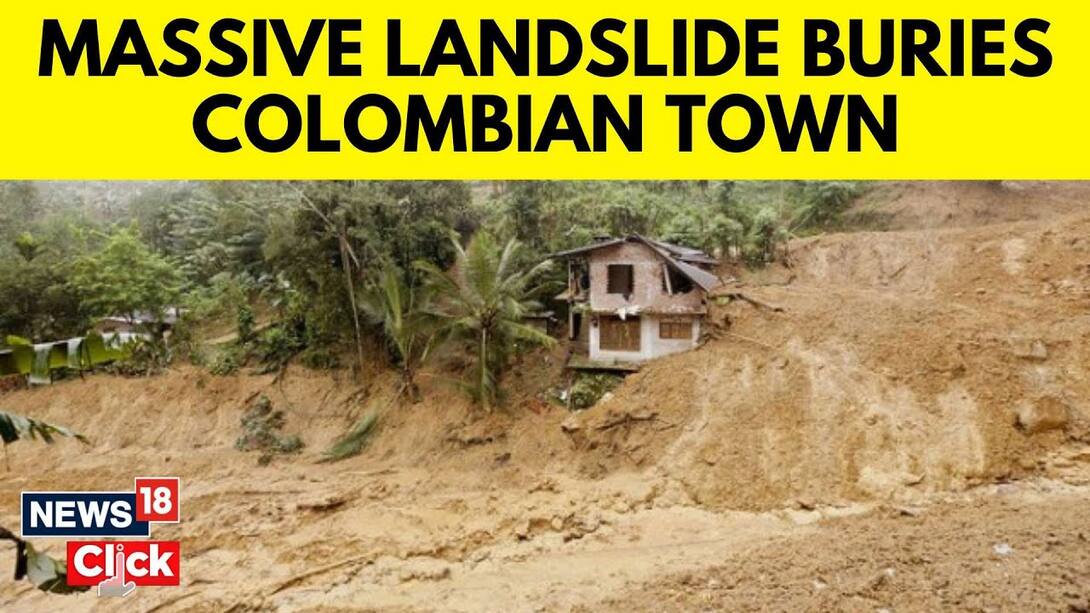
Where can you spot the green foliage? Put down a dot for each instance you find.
(210, 229)
(402, 313)
(48, 574)
(481, 302)
(725, 218)
(226, 362)
(319, 357)
(36, 299)
(589, 388)
(358, 227)
(352, 443)
(143, 357)
(261, 425)
(822, 202)
(27, 246)
(125, 278)
(14, 427)
(41, 570)
(42, 362)
(244, 322)
(317, 253)
(276, 346)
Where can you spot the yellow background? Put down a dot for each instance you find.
(131, 126)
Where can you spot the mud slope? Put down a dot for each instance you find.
(902, 363)
(908, 205)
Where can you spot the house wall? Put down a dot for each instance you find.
(651, 346)
(647, 290)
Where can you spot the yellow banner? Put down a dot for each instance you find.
(567, 89)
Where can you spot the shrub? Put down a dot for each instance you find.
(261, 425)
(144, 356)
(225, 362)
(589, 388)
(319, 357)
(276, 346)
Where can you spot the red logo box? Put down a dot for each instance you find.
(157, 499)
(146, 562)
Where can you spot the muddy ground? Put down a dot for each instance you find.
(900, 421)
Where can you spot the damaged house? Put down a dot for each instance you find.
(634, 298)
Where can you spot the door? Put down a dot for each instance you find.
(616, 334)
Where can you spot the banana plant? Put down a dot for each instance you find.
(45, 572)
(14, 427)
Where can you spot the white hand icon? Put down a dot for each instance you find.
(117, 586)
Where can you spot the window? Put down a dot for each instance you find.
(616, 334)
(676, 329)
(673, 282)
(619, 279)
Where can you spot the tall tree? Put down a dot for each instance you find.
(126, 278)
(402, 312)
(482, 300)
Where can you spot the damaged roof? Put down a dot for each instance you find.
(684, 260)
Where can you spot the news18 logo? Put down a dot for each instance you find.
(116, 567)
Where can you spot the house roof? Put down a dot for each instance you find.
(589, 248)
(684, 260)
(686, 254)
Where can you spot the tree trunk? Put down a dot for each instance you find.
(482, 382)
(408, 382)
(352, 301)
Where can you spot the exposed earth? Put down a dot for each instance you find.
(897, 421)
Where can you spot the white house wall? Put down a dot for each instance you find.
(651, 346)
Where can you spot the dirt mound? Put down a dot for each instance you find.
(1025, 550)
(901, 364)
(908, 205)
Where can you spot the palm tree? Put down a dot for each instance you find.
(484, 299)
(402, 311)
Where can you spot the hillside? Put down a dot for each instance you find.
(920, 397)
(911, 205)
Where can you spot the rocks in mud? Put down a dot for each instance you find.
(522, 530)
(1031, 349)
(571, 424)
(804, 504)
(1046, 413)
(566, 527)
(477, 433)
(324, 503)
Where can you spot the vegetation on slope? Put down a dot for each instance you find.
(342, 267)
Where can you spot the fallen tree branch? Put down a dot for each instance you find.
(626, 418)
(753, 301)
(297, 579)
(750, 340)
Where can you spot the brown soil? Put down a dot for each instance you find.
(920, 399)
(1013, 547)
(911, 205)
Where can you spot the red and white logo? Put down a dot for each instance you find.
(123, 566)
(119, 567)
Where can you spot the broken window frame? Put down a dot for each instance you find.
(674, 282)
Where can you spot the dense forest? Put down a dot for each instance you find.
(325, 268)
